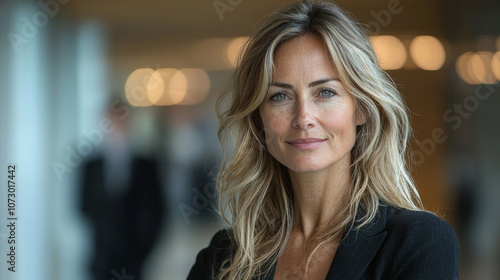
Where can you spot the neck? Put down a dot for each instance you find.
(318, 198)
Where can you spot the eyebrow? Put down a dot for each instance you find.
(312, 84)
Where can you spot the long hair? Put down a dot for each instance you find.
(255, 189)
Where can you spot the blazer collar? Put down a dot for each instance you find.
(359, 246)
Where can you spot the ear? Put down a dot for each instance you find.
(360, 117)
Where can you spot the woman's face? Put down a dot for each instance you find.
(309, 119)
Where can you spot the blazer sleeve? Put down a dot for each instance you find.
(428, 251)
(210, 259)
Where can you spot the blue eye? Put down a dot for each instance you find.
(327, 93)
(278, 97)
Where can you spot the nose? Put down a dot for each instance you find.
(304, 116)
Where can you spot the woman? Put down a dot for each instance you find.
(316, 184)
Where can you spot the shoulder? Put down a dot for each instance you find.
(210, 259)
(421, 244)
(419, 225)
(419, 221)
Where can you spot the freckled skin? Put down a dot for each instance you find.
(325, 110)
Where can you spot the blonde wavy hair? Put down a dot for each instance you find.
(255, 188)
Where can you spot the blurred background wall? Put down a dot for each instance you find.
(158, 66)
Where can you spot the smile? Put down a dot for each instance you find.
(306, 143)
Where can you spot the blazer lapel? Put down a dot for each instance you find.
(357, 249)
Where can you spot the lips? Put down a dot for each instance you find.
(306, 143)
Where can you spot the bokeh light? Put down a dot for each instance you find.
(479, 68)
(175, 86)
(155, 87)
(427, 52)
(495, 65)
(461, 66)
(233, 50)
(390, 51)
(198, 86)
(136, 87)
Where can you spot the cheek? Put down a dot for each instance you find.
(341, 122)
(274, 126)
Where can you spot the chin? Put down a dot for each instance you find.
(303, 170)
(305, 167)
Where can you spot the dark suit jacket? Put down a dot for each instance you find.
(125, 227)
(398, 244)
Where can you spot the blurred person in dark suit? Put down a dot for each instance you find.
(122, 198)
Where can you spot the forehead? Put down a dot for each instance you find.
(306, 56)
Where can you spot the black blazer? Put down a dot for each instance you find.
(398, 244)
(125, 227)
